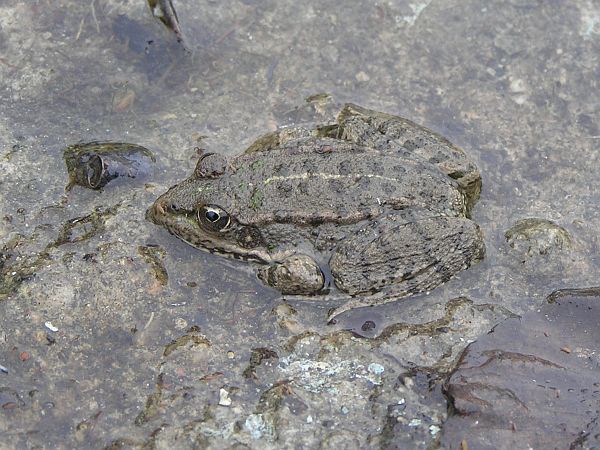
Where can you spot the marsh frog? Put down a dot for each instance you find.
(373, 207)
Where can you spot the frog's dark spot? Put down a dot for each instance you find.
(249, 237)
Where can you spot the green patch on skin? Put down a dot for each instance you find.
(256, 199)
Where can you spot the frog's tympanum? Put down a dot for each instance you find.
(95, 164)
(373, 206)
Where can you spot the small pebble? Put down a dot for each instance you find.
(50, 326)
(181, 324)
(3, 369)
(368, 325)
(362, 76)
(375, 368)
(224, 399)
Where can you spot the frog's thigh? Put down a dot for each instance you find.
(411, 257)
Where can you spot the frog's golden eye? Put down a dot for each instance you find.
(213, 218)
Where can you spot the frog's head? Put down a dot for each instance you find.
(198, 211)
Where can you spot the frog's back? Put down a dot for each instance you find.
(335, 181)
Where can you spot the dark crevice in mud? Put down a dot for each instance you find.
(257, 356)
(397, 431)
(183, 341)
(440, 325)
(16, 266)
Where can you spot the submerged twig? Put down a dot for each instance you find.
(165, 12)
(94, 16)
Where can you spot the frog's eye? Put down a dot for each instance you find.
(214, 218)
(94, 172)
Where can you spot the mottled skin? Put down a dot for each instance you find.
(376, 203)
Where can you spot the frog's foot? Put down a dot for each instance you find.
(295, 275)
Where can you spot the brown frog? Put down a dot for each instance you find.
(373, 206)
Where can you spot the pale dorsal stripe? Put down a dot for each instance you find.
(326, 176)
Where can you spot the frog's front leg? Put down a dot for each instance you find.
(295, 275)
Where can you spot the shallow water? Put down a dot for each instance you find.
(513, 83)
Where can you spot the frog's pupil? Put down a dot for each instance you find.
(212, 216)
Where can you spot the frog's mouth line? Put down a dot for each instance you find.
(184, 226)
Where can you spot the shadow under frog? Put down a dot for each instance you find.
(373, 206)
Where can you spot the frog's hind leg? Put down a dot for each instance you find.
(380, 266)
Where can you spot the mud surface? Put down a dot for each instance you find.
(531, 382)
(114, 334)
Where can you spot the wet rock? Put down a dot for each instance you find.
(287, 318)
(16, 268)
(187, 340)
(416, 418)
(224, 399)
(145, 47)
(340, 440)
(531, 238)
(152, 406)
(531, 382)
(94, 164)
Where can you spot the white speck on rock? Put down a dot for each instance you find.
(375, 368)
(255, 425)
(417, 9)
(224, 399)
(434, 429)
(51, 327)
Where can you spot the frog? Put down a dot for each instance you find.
(367, 209)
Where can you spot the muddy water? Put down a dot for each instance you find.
(159, 344)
